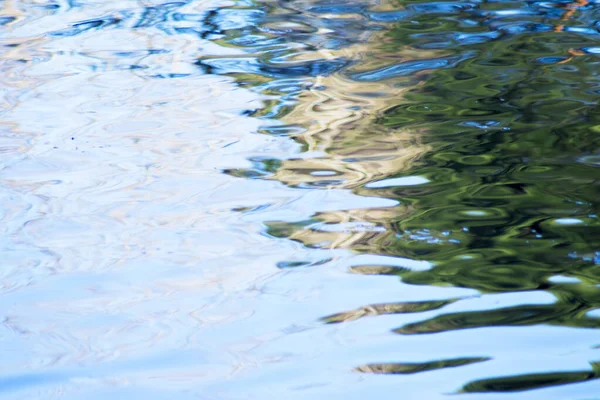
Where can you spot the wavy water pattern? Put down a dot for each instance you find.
(480, 119)
(132, 266)
(299, 199)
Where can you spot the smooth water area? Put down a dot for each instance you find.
(300, 199)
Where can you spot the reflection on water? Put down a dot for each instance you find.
(480, 119)
(392, 308)
(413, 368)
(299, 198)
(531, 381)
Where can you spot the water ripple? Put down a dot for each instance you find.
(281, 194)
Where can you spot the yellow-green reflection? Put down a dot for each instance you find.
(480, 119)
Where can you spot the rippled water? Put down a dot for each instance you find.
(300, 199)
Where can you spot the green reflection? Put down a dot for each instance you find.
(494, 107)
(531, 381)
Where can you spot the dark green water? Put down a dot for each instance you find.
(500, 101)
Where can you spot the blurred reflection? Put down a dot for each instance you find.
(413, 368)
(480, 120)
(531, 381)
(433, 166)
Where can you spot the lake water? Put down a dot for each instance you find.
(300, 199)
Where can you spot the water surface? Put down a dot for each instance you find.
(300, 199)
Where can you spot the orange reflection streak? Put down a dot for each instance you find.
(571, 8)
(574, 53)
